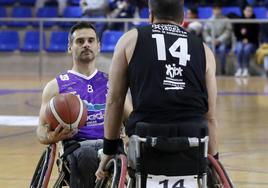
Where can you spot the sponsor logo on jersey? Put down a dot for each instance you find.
(95, 114)
(173, 79)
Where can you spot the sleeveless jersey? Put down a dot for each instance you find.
(167, 76)
(92, 90)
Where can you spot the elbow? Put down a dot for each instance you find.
(212, 121)
(40, 137)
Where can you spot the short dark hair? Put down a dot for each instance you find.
(81, 25)
(167, 9)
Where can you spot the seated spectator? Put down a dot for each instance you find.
(194, 27)
(121, 9)
(94, 8)
(61, 4)
(218, 34)
(247, 41)
(107, 9)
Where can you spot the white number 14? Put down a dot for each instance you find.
(180, 42)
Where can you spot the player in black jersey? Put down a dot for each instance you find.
(170, 73)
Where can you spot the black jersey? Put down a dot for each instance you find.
(167, 76)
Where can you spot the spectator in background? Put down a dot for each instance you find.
(121, 9)
(247, 42)
(192, 13)
(94, 8)
(262, 52)
(61, 4)
(107, 9)
(222, 35)
(194, 27)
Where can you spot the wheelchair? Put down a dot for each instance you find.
(45, 164)
(117, 167)
(159, 156)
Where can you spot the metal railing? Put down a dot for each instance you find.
(125, 21)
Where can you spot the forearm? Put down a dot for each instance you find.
(113, 119)
(213, 137)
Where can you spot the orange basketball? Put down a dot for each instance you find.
(66, 109)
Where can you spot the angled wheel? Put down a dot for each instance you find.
(44, 167)
(117, 168)
(217, 175)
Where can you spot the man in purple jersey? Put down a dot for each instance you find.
(85, 81)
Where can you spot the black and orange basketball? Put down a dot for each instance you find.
(66, 109)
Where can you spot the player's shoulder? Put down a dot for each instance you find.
(63, 76)
(51, 89)
(102, 75)
(129, 37)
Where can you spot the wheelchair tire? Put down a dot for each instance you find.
(44, 167)
(117, 168)
(221, 178)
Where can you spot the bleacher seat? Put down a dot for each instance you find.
(228, 10)
(144, 13)
(3, 14)
(204, 12)
(31, 42)
(9, 41)
(74, 2)
(71, 12)
(109, 40)
(46, 12)
(58, 41)
(260, 12)
(20, 12)
(7, 2)
(26, 2)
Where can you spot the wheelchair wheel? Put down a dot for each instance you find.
(117, 168)
(44, 167)
(217, 175)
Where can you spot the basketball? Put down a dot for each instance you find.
(66, 109)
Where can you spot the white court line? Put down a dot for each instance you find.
(19, 120)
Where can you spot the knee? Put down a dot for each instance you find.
(87, 159)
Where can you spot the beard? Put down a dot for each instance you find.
(86, 57)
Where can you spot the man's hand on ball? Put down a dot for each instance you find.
(62, 132)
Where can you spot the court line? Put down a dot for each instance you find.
(13, 91)
(24, 121)
(220, 93)
(16, 134)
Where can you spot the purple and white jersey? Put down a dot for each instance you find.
(92, 90)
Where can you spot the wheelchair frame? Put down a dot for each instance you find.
(44, 168)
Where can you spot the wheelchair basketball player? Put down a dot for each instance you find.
(171, 75)
(90, 84)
